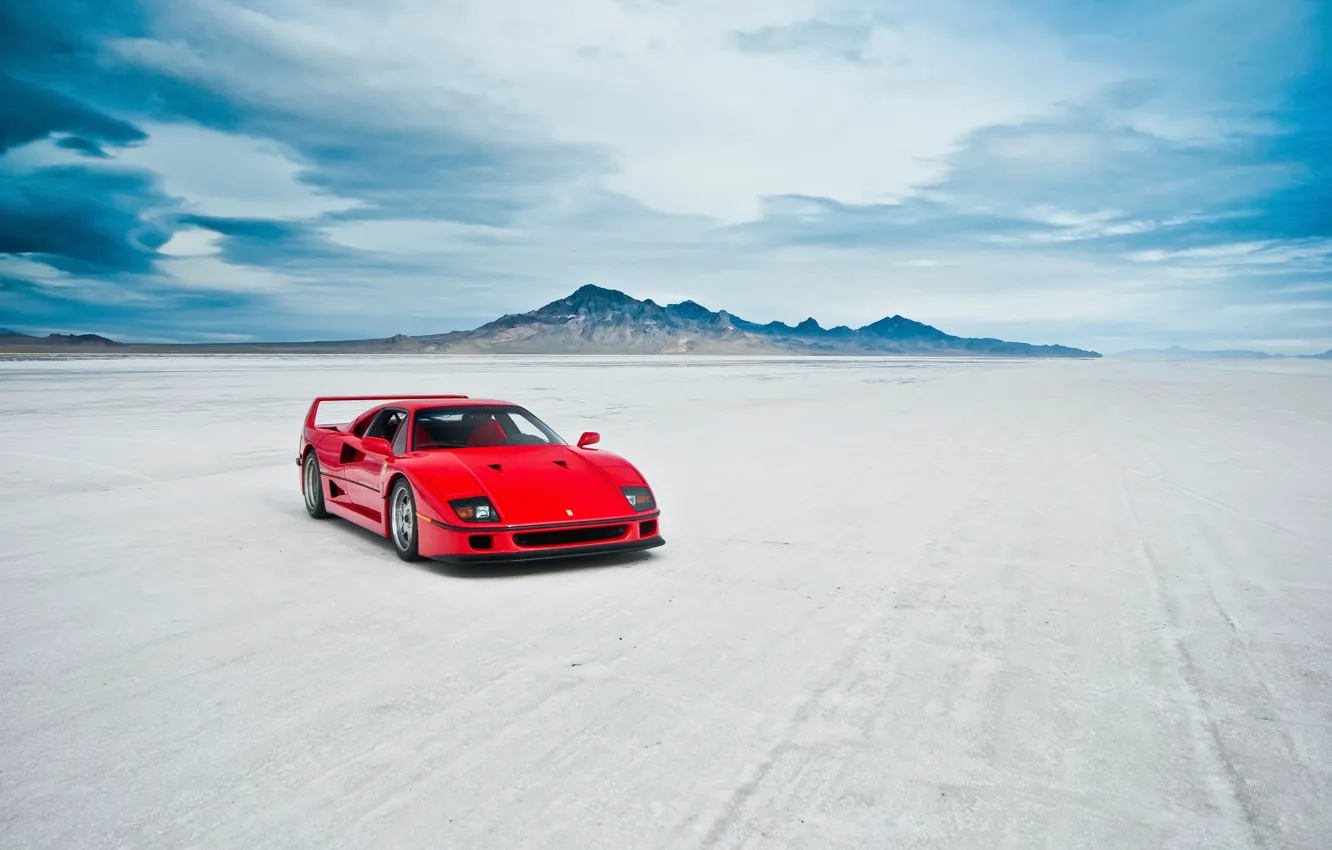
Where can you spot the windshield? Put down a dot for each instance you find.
(475, 426)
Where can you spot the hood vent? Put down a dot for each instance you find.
(563, 463)
(495, 466)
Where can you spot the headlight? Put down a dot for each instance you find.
(475, 509)
(639, 497)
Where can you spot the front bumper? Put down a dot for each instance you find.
(484, 544)
(553, 553)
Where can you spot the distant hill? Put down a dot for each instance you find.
(595, 320)
(1174, 352)
(9, 340)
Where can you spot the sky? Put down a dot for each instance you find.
(1109, 175)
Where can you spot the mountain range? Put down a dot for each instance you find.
(595, 320)
(606, 321)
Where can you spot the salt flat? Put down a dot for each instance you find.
(903, 603)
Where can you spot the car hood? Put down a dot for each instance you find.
(542, 484)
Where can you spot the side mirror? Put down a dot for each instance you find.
(377, 446)
(588, 438)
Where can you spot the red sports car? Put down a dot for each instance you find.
(458, 479)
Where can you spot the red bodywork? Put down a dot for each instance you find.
(552, 500)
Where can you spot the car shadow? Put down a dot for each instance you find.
(518, 569)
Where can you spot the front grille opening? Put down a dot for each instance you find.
(570, 535)
(481, 541)
(648, 528)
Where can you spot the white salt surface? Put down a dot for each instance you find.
(902, 604)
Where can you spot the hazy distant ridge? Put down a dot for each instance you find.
(1175, 352)
(10, 339)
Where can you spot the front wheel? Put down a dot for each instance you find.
(403, 526)
(314, 488)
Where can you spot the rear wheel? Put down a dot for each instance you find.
(314, 488)
(403, 525)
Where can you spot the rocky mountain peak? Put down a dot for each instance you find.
(691, 311)
(596, 299)
(900, 327)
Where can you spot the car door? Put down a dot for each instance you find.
(364, 469)
(338, 448)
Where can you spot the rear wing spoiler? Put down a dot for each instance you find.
(314, 406)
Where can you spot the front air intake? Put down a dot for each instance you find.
(567, 536)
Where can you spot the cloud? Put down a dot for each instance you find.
(46, 299)
(814, 36)
(1067, 171)
(696, 126)
(191, 242)
(80, 218)
(29, 112)
(398, 140)
(230, 175)
(81, 145)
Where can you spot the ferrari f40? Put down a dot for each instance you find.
(453, 478)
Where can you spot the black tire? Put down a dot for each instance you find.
(404, 525)
(313, 487)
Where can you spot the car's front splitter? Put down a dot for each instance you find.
(552, 553)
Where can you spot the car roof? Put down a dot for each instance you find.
(418, 404)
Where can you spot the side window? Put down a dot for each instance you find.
(400, 439)
(387, 424)
(360, 427)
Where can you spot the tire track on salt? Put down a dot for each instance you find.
(847, 702)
